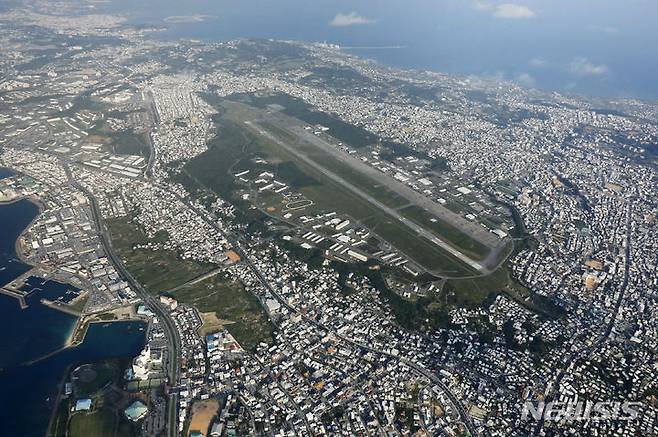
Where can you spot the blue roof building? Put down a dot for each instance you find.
(83, 405)
(136, 411)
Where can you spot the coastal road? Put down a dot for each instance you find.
(173, 339)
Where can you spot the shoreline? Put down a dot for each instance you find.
(59, 397)
(18, 245)
(70, 343)
(82, 320)
(13, 200)
(19, 249)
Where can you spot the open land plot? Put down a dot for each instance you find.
(211, 323)
(125, 142)
(202, 415)
(236, 146)
(294, 107)
(351, 168)
(410, 196)
(239, 310)
(447, 231)
(147, 265)
(129, 143)
(98, 423)
(78, 304)
(234, 150)
(418, 248)
(385, 189)
(333, 196)
(373, 203)
(475, 292)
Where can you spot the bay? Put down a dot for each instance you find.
(32, 361)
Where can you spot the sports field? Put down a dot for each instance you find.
(99, 423)
(202, 415)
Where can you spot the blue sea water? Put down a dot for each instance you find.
(28, 391)
(14, 217)
(593, 47)
(28, 388)
(51, 290)
(5, 173)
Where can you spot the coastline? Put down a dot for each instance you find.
(78, 332)
(70, 343)
(19, 251)
(58, 398)
(16, 295)
(85, 326)
(18, 245)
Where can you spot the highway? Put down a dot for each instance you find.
(172, 332)
(173, 339)
(174, 342)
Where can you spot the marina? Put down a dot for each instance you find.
(36, 329)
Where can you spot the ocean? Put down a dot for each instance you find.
(28, 388)
(598, 49)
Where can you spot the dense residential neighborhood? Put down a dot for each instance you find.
(289, 313)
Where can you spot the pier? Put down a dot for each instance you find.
(15, 294)
(60, 307)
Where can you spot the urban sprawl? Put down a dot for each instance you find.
(499, 246)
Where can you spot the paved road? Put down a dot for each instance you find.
(150, 104)
(199, 278)
(234, 241)
(173, 339)
(468, 227)
(587, 352)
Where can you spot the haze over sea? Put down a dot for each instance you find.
(594, 47)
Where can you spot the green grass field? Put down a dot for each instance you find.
(461, 241)
(235, 147)
(365, 183)
(105, 372)
(100, 423)
(239, 144)
(294, 107)
(147, 266)
(418, 248)
(129, 143)
(246, 319)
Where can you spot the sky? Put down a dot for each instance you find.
(594, 47)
